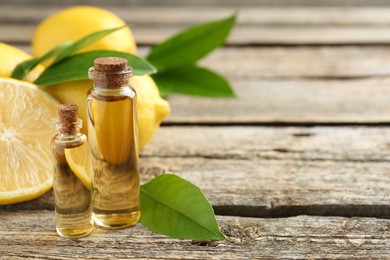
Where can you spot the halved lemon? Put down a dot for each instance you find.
(78, 160)
(27, 123)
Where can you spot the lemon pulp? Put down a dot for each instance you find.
(27, 121)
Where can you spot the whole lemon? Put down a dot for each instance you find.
(10, 57)
(152, 109)
(76, 22)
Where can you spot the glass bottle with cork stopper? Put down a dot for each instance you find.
(113, 139)
(72, 197)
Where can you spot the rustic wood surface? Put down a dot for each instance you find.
(298, 163)
(293, 102)
(248, 238)
(230, 3)
(274, 172)
(255, 26)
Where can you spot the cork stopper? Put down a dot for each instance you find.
(110, 72)
(68, 118)
(110, 64)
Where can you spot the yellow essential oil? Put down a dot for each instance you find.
(72, 199)
(113, 140)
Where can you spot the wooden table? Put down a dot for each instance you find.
(296, 167)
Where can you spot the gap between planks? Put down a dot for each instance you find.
(274, 172)
(284, 63)
(303, 26)
(243, 36)
(211, 4)
(351, 16)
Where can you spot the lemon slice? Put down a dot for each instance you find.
(78, 160)
(27, 122)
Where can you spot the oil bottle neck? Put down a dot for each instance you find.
(69, 130)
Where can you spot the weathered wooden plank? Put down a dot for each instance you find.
(261, 16)
(31, 234)
(271, 35)
(282, 171)
(150, 35)
(231, 3)
(286, 102)
(274, 172)
(242, 35)
(306, 62)
(307, 144)
(346, 62)
(187, 15)
(264, 26)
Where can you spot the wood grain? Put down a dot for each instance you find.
(289, 102)
(233, 3)
(255, 26)
(302, 62)
(272, 35)
(248, 16)
(241, 36)
(285, 63)
(270, 63)
(31, 234)
(338, 144)
(325, 63)
(256, 171)
(273, 172)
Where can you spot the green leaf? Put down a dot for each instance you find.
(85, 41)
(175, 207)
(22, 69)
(191, 45)
(76, 67)
(163, 86)
(193, 80)
(62, 50)
(164, 93)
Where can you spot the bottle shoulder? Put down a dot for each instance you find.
(114, 93)
(68, 141)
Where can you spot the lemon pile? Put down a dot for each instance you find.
(25, 140)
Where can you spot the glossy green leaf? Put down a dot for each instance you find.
(84, 42)
(175, 207)
(163, 85)
(76, 67)
(193, 80)
(22, 69)
(191, 45)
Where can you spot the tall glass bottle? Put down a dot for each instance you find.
(72, 198)
(113, 139)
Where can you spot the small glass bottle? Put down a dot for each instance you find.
(113, 141)
(72, 199)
